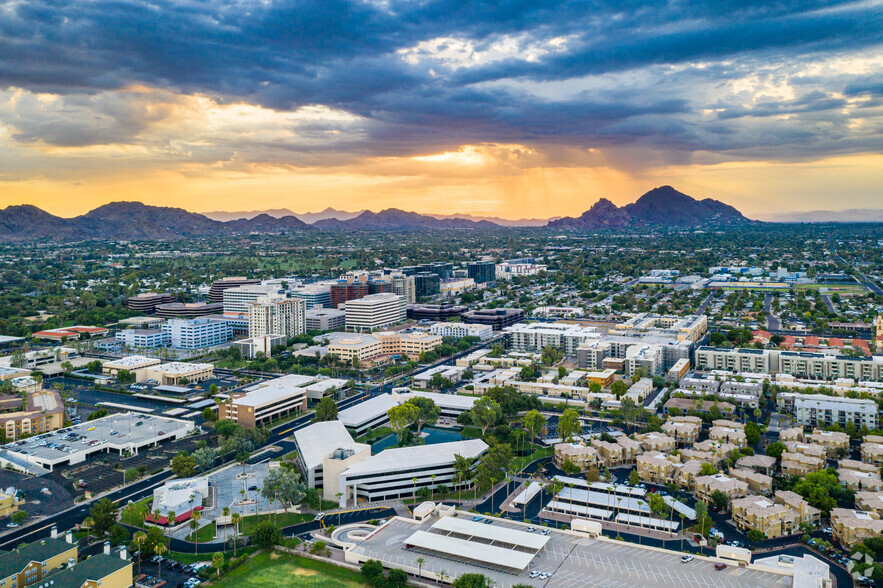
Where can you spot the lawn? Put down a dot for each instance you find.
(248, 524)
(133, 516)
(520, 462)
(206, 533)
(289, 571)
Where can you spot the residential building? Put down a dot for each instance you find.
(460, 330)
(216, 292)
(401, 472)
(9, 504)
(728, 432)
(757, 483)
(33, 562)
(482, 271)
(325, 319)
(581, 456)
(270, 316)
(825, 411)
(189, 309)
(623, 452)
(146, 302)
(806, 514)
(197, 333)
(798, 464)
(832, 441)
(860, 481)
(685, 429)
(853, 526)
(373, 312)
(706, 486)
(869, 500)
(498, 318)
(796, 363)
(680, 369)
(656, 442)
(43, 412)
(762, 514)
(257, 408)
(687, 405)
(511, 269)
(872, 449)
(107, 570)
(763, 464)
(144, 338)
(536, 336)
(404, 286)
(434, 312)
(657, 468)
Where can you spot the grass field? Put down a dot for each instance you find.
(248, 524)
(206, 533)
(833, 288)
(289, 571)
(132, 515)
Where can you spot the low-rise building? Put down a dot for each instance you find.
(144, 338)
(685, 429)
(327, 441)
(197, 333)
(728, 432)
(762, 514)
(28, 564)
(869, 500)
(763, 464)
(792, 434)
(687, 405)
(460, 330)
(181, 497)
(657, 468)
(325, 319)
(257, 408)
(263, 344)
(757, 483)
(656, 442)
(872, 450)
(581, 456)
(179, 372)
(134, 364)
(107, 570)
(805, 513)
(852, 526)
(706, 486)
(860, 481)
(798, 464)
(43, 412)
(832, 441)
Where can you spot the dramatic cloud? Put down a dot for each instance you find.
(199, 86)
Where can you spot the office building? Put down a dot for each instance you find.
(272, 316)
(178, 372)
(460, 330)
(147, 302)
(498, 318)
(367, 346)
(264, 344)
(237, 300)
(314, 295)
(135, 364)
(197, 333)
(216, 292)
(325, 319)
(401, 472)
(189, 309)
(144, 338)
(482, 271)
(70, 333)
(374, 312)
(426, 285)
(434, 312)
(368, 415)
(347, 289)
(260, 407)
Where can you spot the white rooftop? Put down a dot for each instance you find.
(319, 439)
(366, 411)
(268, 395)
(392, 460)
(470, 550)
(180, 367)
(441, 400)
(289, 381)
(132, 361)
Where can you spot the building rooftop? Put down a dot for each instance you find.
(319, 439)
(179, 367)
(95, 568)
(131, 362)
(366, 411)
(267, 395)
(391, 460)
(13, 562)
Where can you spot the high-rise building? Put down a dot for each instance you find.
(269, 316)
(237, 300)
(482, 271)
(374, 312)
(347, 289)
(426, 284)
(216, 292)
(379, 286)
(404, 286)
(197, 333)
(314, 295)
(443, 270)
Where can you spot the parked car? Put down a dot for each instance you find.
(687, 559)
(720, 566)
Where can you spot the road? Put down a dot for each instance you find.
(861, 276)
(705, 303)
(830, 305)
(772, 321)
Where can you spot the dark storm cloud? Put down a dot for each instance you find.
(347, 55)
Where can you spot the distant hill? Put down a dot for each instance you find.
(852, 215)
(129, 221)
(393, 219)
(663, 206)
(307, 217)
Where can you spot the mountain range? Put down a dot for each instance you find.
(332, 213)
(129, 221)
(851, 215)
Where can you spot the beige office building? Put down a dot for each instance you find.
(375, 311)
(284, 317)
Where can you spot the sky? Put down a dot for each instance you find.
(512, 108)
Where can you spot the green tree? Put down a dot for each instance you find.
(618, 388)
(183, 465)
(208, 414)
(720, 499)
(473, 581)
(19, 516)
(775, 449)
(706, 469)
(427, 411)
(104, 515)
(756, 536)
(534, 422)
(266, 535)
(326, 410)
(372, 572)
(485, 413)
(569, 424)
(402, 417)
(204, 459)
(752, 433)
(634, 478)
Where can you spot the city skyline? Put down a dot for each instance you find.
(509, 110)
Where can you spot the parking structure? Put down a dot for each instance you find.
(566, 560)
(124, 432)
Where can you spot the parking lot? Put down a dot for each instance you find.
(572, 561)
(171, 576)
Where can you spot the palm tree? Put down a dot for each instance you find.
(157, 514)
(218, 561)
(432, 489)
(226, 512)
(338, 495)
(682, 530)
(159, 549)
(420, 562)
(171, 519)
(442, 576)
(194, 525)
(138, 539)
(235, 518)
(415, 488)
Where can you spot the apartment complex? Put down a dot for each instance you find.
(43, 412)
(774, 518)
(460, 330)
(536, 336)
(819, 410)
(795, 363)
(31, 563)
(375, 311)
(852, 526)
(404, 286)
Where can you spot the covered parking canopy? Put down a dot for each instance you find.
(511, 538)
(470, 550)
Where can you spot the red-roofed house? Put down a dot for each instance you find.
(810, 341)
(761, 336)
(836, 342)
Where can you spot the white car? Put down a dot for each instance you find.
(687, 559)
(319, 516)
